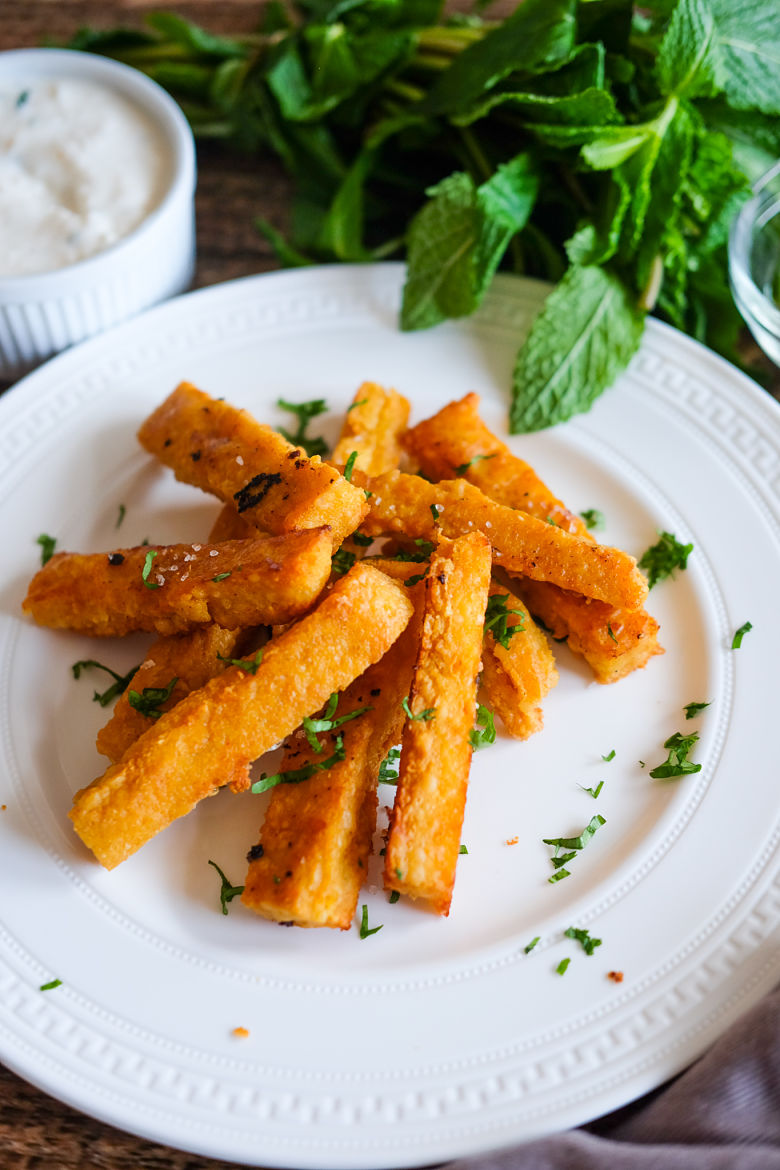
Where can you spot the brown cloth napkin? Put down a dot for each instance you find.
(723, 1113)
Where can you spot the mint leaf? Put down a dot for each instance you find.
(538, 33)
(458, 239)
(729, 46)
(584, 337)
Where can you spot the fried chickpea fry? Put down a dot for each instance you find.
(521, 544)
(169, 589)
(425, 825)
(203, 742)
(225, 451)
(517, 676)
(192, 659)
(373, 427)
(456, 438)
(316, 836)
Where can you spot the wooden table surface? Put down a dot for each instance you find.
(35, 1130)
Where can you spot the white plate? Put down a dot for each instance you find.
(432, 1038)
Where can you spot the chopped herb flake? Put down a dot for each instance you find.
(677, 762)
(388, 769)
(581, 841)
(463, 468)
(594, 519)
(364, 928)
(120, 684)
(48, 545)
(342, 560)
(692, 709)
(305, 412)
(327, 723)
(485, 732)
(587, 943)
(610, 756)
(559, 875)
(349, 465)
(149, 701)
(562, 967)
(120, 516)
(228, 891)
(530, 946)
(594, 792)
(394, 897)
(424, 550)
(147, 570)
(222, 576)
(736, 641)
(661, 559)
(416, 578)
(362, 540)
(423, 716)
(297, 775)
(497, 619)
(435, 509)
(249, 665)
(463, 850)
(611, 633)
(50, 985)
(355, 405)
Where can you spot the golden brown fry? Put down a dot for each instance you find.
(230, 526)
(515, 678)
(457, 437)
(316, 836)
(373, 427)
(225, 451)
(192, 659)
(455, 442)
(203, 742)
(521, 544)
(427, 817)
(235, 583)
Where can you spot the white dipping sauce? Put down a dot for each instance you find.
(80, 168)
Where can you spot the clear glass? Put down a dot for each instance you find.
(754, 262)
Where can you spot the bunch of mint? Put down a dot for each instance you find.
(601, 146)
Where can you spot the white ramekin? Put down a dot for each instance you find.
(42, 314)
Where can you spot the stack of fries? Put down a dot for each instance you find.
(285, 625)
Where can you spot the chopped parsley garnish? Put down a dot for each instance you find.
(562, 967)
(355, 405)
(610, 756)
(305, 412)
(594, 792)
(364, 929)
(463, 467)
(497, 619)
(23, 97)
(342, 560)
(661, 559)
(463, 850)
(593, 518)
(228, 891)
(736, 641)
(388, 769)
(120, 516)
(485, 732)
(51, 985)
(119, 685)
(297, 775)
(692, 709)
(147, 570)
(677, 762)
(222, 576)
(611, 633)
(424, 716)
(48, 545)
(550, 520)
(587, 943)
(362, 540)
(435, 509)
(530, 946)
(249, 665)
(416, 578)
(327, 723)
(394, 897)
(573, 845)
(424, 550)
(349, 465)
(148, 701)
